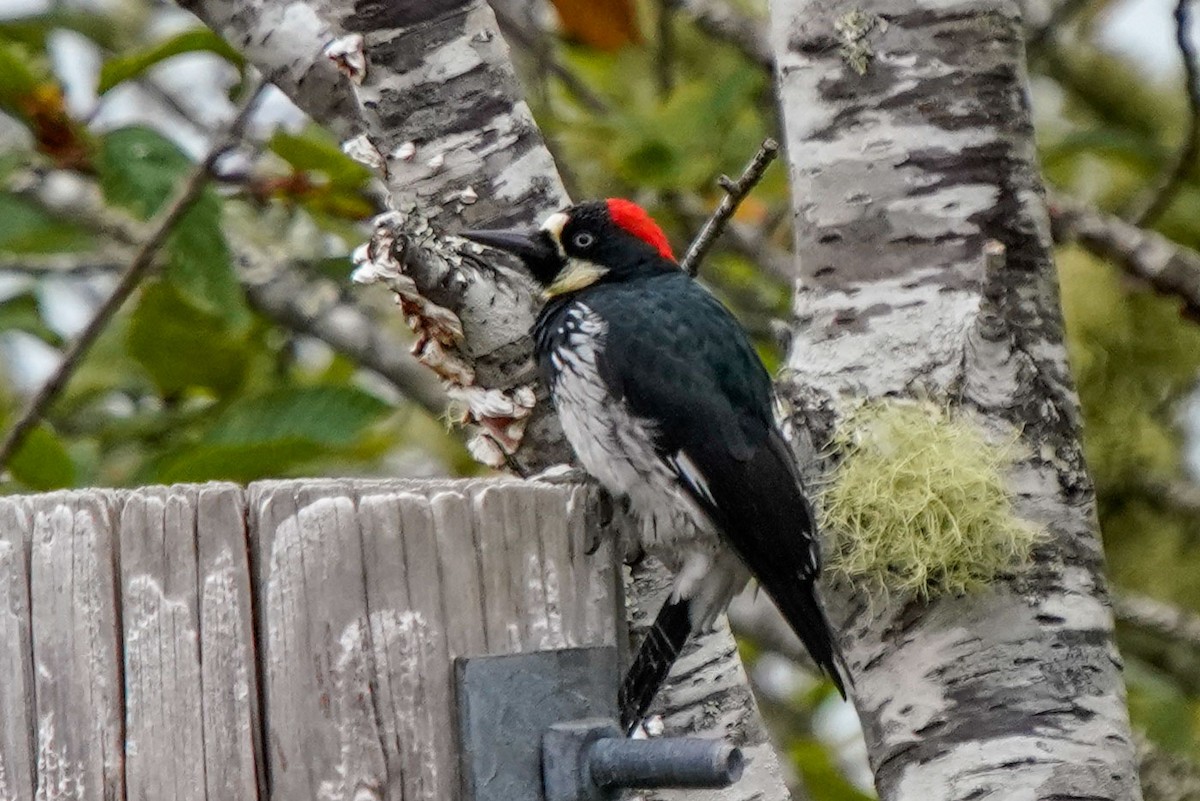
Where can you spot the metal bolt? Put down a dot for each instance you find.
(667, 762)
(589, 760)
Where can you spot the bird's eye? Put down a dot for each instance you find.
(582, 240)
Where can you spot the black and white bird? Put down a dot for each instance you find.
(666, 404)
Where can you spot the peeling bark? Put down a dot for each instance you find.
(438, 113)
(911, 150)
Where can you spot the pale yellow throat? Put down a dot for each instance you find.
(577, 275)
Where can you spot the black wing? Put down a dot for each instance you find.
(681, 360)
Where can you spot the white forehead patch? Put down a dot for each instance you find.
(555, 223)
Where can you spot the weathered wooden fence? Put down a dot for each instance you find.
(289, 640)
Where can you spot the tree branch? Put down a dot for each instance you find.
(46, 265)
(143, 262)
(1185, 159)
(285, 297)
(735, 192)
(902, 174)
(276, 290)
(1161, 619)
(1166, 266)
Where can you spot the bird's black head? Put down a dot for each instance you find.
(601, 240)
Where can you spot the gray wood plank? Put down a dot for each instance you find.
(141, 631)
(368, 591)
(229, 676)
(499, 604)
(323, 738)
(191, 716)
(164, 728)
(599, 593)
(462, 579)
(76, 648)
(18, 723)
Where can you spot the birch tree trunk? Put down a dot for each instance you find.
(910, 148)
(429, 99)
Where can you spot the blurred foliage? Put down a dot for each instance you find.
(191, 383)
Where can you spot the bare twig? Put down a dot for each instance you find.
(75, 265)
(750, 241)
(1185, 159)
(143, 261)
(735, 192)
(1168, 267)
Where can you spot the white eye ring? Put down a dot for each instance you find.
(582, 240)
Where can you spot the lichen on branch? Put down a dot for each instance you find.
(918, 502)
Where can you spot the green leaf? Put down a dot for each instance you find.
(182, 346)
(315, 151)
(131, 65)
(200, 265)
(42, 462)
(242, 463)
(822, 778)
(140, 169)
(273, 433)
(330, 416)
(102, 28)
(22, 313)
(25, 228)
(17, 79)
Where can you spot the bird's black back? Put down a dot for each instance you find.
(680, 359)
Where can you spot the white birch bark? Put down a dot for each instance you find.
(439, 113)
(910, 148)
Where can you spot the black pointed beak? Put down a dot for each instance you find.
(531, 245)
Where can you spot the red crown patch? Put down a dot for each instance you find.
(633, 218)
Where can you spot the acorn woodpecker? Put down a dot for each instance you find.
(667, 405)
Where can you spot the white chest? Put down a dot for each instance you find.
(614, 445)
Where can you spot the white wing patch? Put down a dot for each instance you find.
(687, 471)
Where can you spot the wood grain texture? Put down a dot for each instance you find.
(18, 728)
(368, 592)
(289, 640)
(76, 648)
(228, 676)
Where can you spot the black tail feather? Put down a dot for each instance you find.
(653, 662)
(807, 618)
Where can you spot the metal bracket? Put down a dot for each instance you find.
(506, 703)
(540, 726)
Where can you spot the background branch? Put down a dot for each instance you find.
(143, 262)
(1168, 267)
(1185, 159)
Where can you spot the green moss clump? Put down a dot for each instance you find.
(918, 503)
